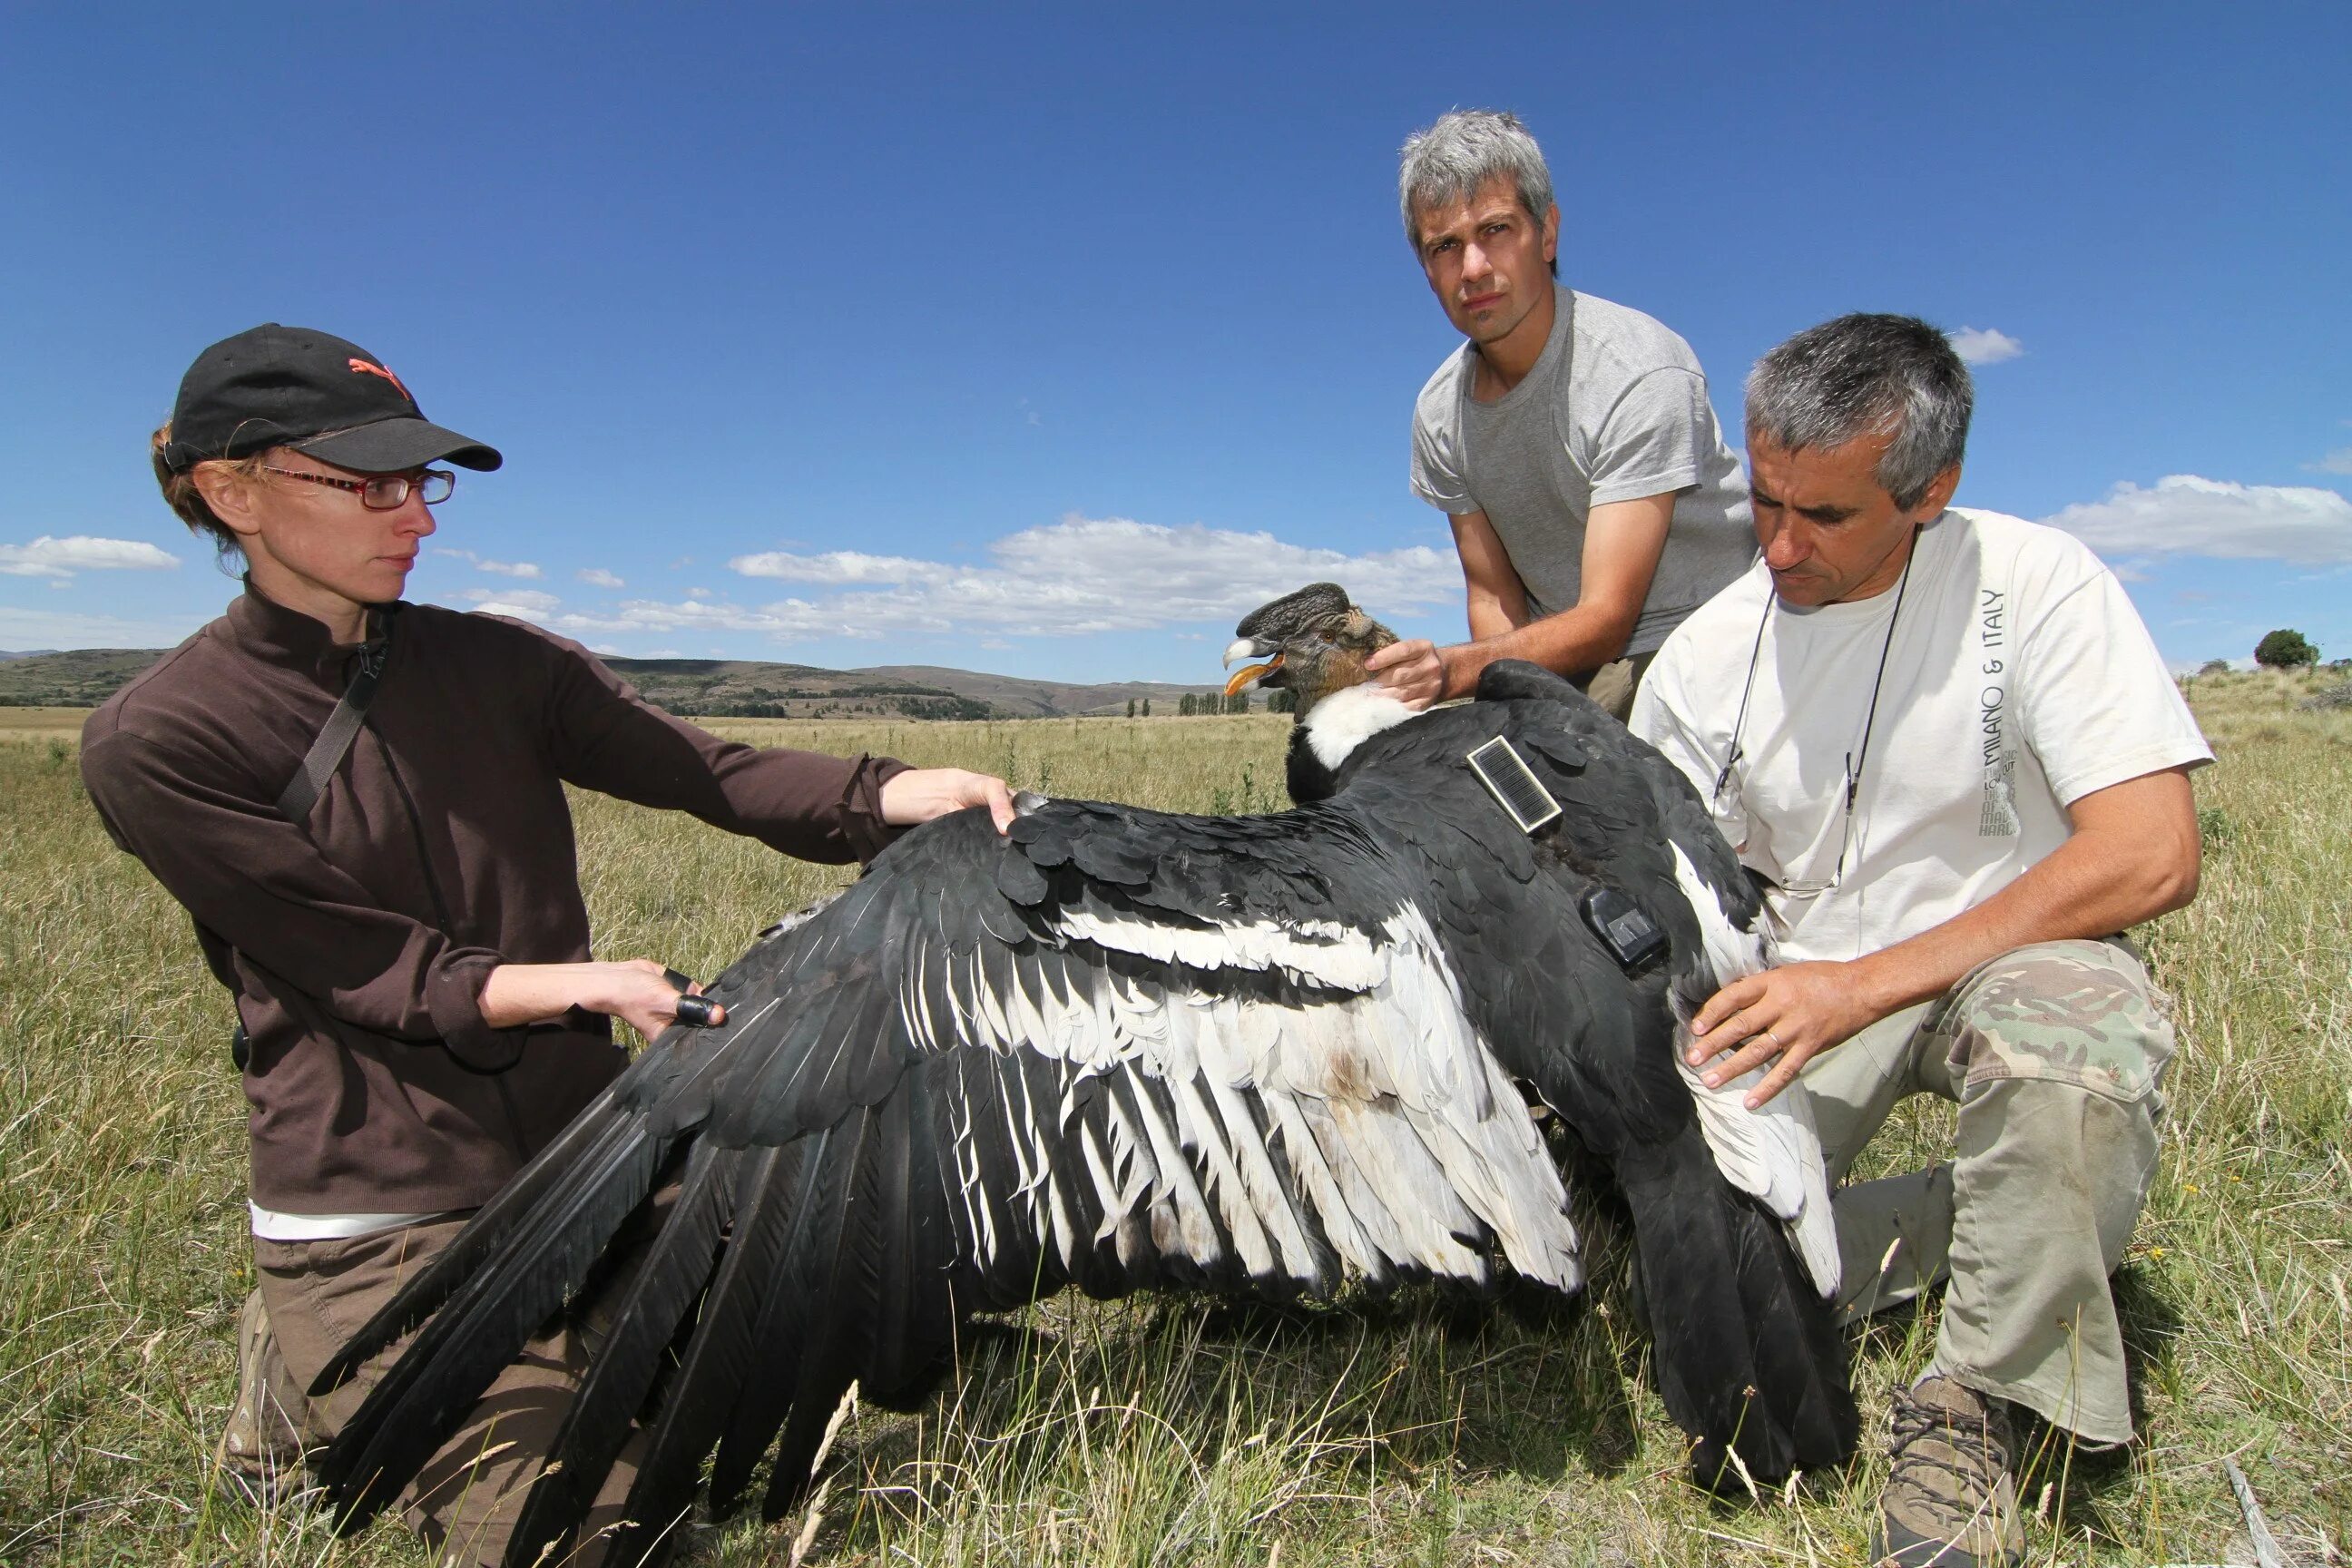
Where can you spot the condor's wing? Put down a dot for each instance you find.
(1115, 1049)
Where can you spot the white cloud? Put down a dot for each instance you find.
(2183, 514)
(50, 557)
(1076, 576)
(836, 567)
(528, 603)
(23, 629)
(502, 568)
(597, 577)
(1990, 345)
(2339, 461)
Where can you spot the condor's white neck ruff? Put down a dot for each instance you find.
(1335, 726)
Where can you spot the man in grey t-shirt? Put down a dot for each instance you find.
(1571, 441)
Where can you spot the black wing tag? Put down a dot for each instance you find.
(1513, 784)
(1632, 937)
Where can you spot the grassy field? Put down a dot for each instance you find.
(41, 724)
(1420, 1429)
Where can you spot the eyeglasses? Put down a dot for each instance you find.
(383, 492)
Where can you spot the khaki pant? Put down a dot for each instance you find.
(1613, 684)
(2054, 1054)
(465, 1500)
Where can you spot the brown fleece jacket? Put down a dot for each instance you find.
(357, 945)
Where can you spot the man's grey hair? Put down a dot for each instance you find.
(1868, 375)
(1449, 161)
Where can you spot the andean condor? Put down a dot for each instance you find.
(1119, 1049)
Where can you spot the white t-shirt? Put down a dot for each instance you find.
(2020, 680)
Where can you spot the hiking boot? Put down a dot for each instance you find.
(1949, 1500)
(260, 1450)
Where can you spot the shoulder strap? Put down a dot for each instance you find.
(334, 742)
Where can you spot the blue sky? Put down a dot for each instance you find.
(1046, 340)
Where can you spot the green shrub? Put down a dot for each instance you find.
(2285, 649)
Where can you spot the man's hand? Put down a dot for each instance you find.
(1794, 1013)
(1623, 541)
(919, 795)
(1414, 671)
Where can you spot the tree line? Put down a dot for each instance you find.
(1192, 706)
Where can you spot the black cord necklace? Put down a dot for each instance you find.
(1854, 762)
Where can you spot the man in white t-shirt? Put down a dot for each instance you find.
(1945, 742)
(1569, 441)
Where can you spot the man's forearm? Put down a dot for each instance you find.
(1575, 642)
(2095, 884)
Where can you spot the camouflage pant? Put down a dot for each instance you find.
(2054, 1054)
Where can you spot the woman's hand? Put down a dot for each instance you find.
(919, 795)
(637, 990)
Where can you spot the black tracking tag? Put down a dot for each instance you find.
(1632, 937)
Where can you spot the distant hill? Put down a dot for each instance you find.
(713, 687)
(747, 689)
(79, 677)
(29, 653)
(1039, 699)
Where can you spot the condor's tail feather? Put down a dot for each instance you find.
(1748, 1357)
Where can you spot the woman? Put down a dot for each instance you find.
(409, 951)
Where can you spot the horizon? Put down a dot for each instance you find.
(1042, 345)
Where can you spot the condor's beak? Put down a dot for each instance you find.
(1248, 647)
(1248, 675)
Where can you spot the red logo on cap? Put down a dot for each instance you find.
(363, 365)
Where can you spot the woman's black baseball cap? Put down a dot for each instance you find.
(310, 390)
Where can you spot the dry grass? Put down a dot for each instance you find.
(1423, 1429)
(41, 724)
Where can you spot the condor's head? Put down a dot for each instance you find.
(1311, 642)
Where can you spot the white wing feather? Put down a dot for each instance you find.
(1773, 1153)
(1377, 1093)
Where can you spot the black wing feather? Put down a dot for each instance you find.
(491, 1226)
(719, 1359)
(482, 1328)
(662, 1289)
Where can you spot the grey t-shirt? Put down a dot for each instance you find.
(1615, 409)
